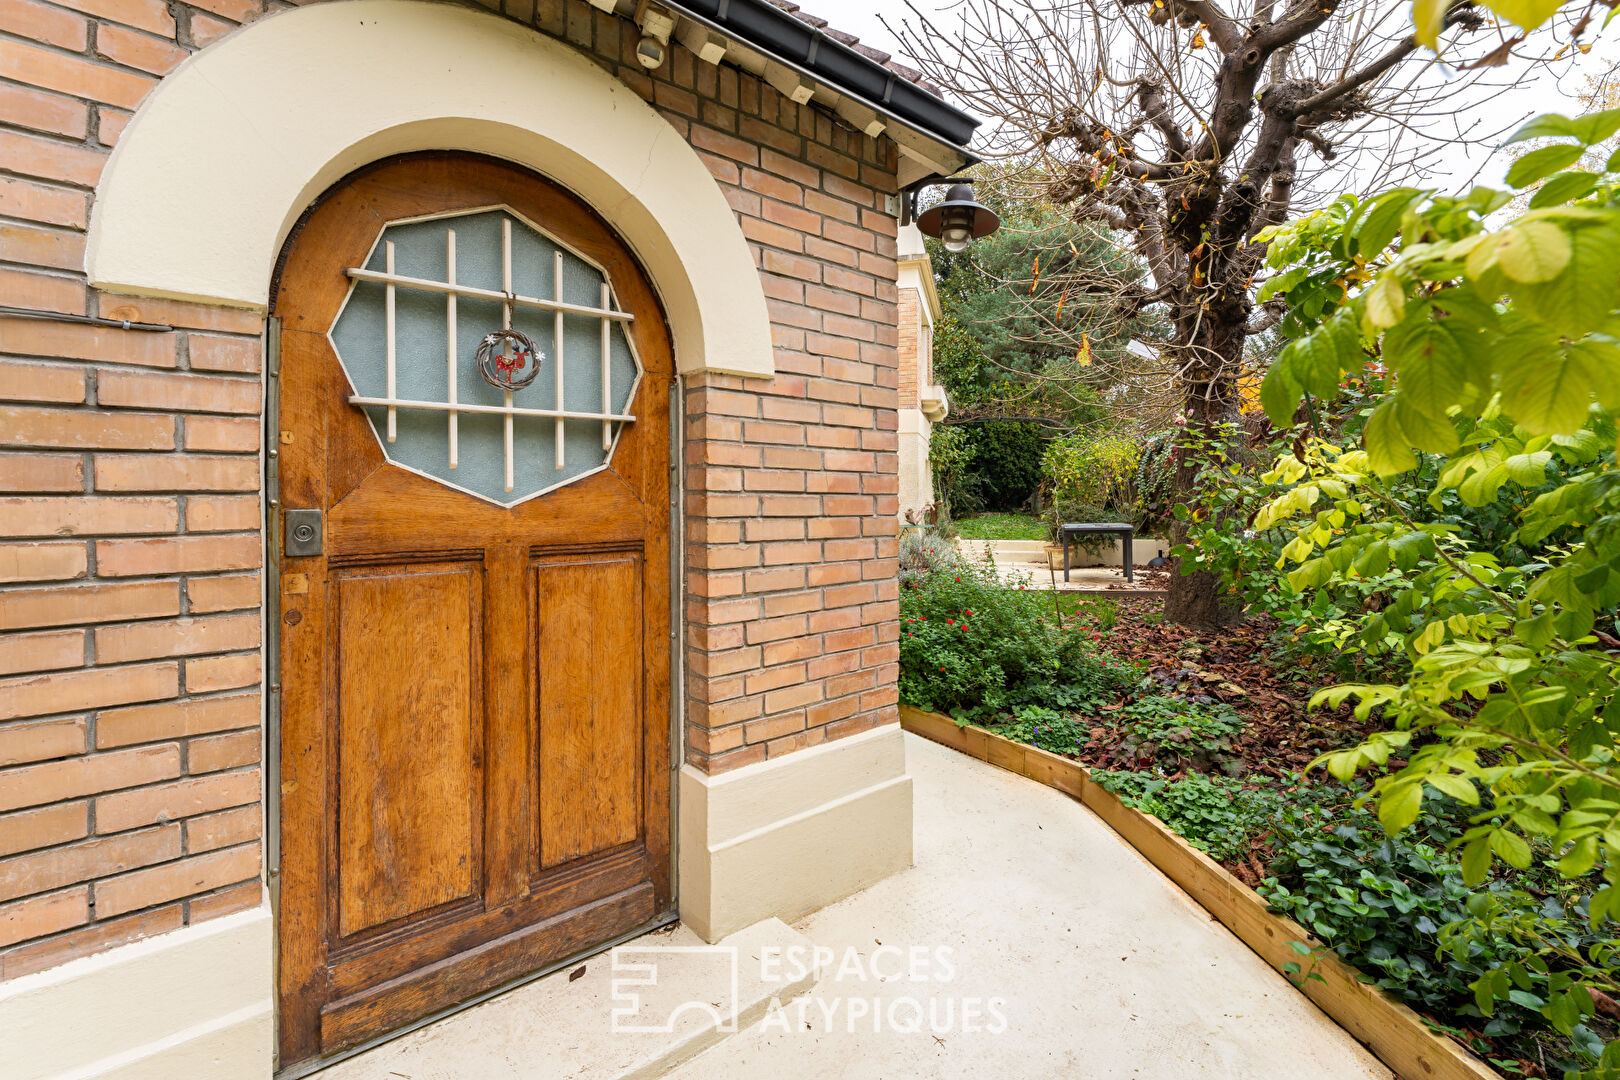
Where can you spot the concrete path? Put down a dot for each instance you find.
(1103, 967)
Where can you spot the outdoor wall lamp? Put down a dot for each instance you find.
(957, 221)
(657, 22)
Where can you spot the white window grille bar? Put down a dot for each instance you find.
(472, 292)
(607, 370)
(450, 342)
(506, 324)
(494, 410)
(557, 291)
(388, 319)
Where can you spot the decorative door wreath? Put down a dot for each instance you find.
(508, 360)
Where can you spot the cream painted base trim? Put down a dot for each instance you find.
(785, 837)
(194, 1003)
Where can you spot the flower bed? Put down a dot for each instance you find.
(1211, 735)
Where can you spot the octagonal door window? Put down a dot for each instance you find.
(486, 354)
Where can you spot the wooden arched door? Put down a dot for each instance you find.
(474, 595)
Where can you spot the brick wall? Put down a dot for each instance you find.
(130, 737)
(129, 627)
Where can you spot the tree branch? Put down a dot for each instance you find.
(1222, 30)
(1361, 78)
(1298, 21)
(1150, 99)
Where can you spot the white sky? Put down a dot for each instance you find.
(1538, 90)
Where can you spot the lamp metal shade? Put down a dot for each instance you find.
(959, 208)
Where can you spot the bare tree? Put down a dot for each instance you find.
(1189, 128)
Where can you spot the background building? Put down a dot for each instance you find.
(922, 401)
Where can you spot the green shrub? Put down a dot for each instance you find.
(1007, 456)
(972, 647)
(950, 454)
(1090, 468)
(1215, 814)
(1104, 614)
(925, 549)
(1156, 484)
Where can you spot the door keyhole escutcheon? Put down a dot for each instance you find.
(301, 533)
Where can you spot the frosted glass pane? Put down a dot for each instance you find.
(422, 440)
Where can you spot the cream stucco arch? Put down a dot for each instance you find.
(222, 157)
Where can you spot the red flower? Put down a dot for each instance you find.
(950, 622)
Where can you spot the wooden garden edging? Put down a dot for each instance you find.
(1389, 1029)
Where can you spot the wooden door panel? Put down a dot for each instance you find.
(475, 753)
(386, 514)
(346, 1021)
(588, 677)
(451, 933)
(409, 730)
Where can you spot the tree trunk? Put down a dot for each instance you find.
(1210, 397)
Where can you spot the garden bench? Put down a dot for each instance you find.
(1124, 531)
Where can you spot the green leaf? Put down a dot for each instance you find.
(1582, 294)
(1386, 300)
(1476, 860)
(1411, 548)
(1428, 16)
(1281, 283)
(1429, 360)
(1528, 14)
(1526, 999)
(1536, 632)
(1542, 163)
(1383, 220)
(1399, 805)
(1458, 787)
(1593, 127)
(1434, 434)
(1395, 427)
(1528, 470)
(1511, 848)
(1580, 857)
(1563, 188)
(1545, 126)
(1550, 397)
(1387, 449)
(1533, 251)
(1280, 393)
(1318, 360)
(1602, 358)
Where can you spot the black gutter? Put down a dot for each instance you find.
(775, 32)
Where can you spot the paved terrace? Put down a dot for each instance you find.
(1103, 969)
(1024, 562)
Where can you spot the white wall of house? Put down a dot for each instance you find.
(922, 400)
